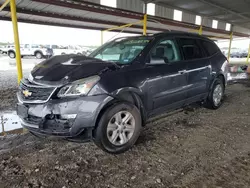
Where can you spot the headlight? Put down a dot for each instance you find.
(79, 87)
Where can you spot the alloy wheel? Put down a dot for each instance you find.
(12, 55)
(217, 95)
(121, 128)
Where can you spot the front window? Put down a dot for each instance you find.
(166, 50)
(122, 51)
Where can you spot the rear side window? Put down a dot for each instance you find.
(210, 47)
(190, 48)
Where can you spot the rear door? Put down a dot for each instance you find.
(198, 68)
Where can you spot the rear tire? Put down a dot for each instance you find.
(12, 54)
(39, 55)
(215, 97)
(118, 128)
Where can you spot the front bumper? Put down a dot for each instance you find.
(63, 117)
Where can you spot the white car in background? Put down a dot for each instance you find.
(4, 49)
(39, 51)
(61, 50)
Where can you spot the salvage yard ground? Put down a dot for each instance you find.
(194, 147)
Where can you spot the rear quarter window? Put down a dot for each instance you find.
(210, 47)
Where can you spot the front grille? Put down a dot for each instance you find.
(31, 92)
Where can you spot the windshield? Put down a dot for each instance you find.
(121, 51)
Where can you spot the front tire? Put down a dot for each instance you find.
(12, 54)
(119, 128)
(215, 97)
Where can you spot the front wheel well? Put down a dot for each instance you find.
(11, 51)
(129, 97)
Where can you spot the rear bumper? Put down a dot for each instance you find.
(63, 117)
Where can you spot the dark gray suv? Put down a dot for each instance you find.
(108, 96)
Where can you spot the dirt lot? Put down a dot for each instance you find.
(192, 148)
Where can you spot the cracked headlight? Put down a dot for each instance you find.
(79, 87)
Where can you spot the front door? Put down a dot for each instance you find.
(26, 50)
(167, 76)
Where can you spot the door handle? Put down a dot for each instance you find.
(182, 71)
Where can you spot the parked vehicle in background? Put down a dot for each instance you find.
(87, 50)
(4, 49)
(109, 95)
(243, 53)
(235, 52)
(1, 49)
(62, 50)
(39, 51)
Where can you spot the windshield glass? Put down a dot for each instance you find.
(121, 51)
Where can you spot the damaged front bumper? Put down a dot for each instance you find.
(67, 118)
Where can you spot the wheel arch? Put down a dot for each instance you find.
(11, 51)
(221, 76)
(38, 51)
(130, 95)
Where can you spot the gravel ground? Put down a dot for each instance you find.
(194, 147)
(8, 89)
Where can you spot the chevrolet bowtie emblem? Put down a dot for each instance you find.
(27, 93)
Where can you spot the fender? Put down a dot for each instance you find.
(127, 89)
(216, 75)
(38, 51)
(138, 98)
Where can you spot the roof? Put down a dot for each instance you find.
(235, 12)
(87, 15)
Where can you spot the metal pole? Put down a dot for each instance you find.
(16, 39)
(200, 30)
(248, 54)
(101, 37)
(145, 7)
(230, 45)
(4, 5)
(145, 24)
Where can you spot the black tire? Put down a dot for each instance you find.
(39, 55)
(210, 102)
(12, 54)
(100, 132)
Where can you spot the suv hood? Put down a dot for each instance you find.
(63, 69)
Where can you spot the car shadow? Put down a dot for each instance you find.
(157, 121)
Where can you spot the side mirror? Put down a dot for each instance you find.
(165, 60)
